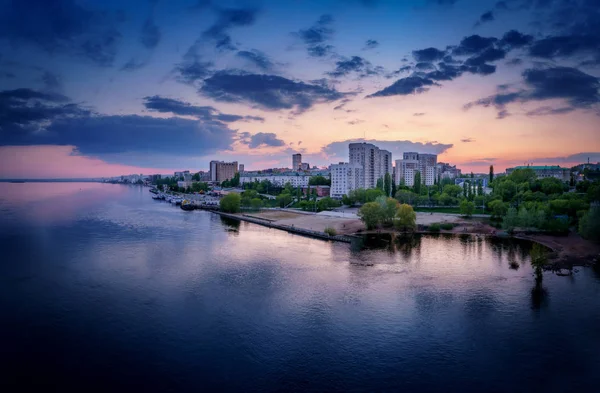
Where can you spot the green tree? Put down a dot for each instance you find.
(370, 214)
(388, 208)
(373, 193)
(452, 190)
(491, 174)
(467, 208)
(417, 183)
(284, 199)
(387, 184)
(470, 191)
(472, 175)
(405, 196)
(231, 203)
(465, 191)
(406, 218)
(589, 225)
(480, 188)
(393, 186)
(539, 257)
(379, 184)
(511, 219)
(196, 176)
(256, 203)
(498, 208)
(319, 181)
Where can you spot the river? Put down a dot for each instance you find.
(104, 288)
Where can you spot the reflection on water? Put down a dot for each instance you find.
(115, 289)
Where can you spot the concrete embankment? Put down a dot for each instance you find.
(288, 228)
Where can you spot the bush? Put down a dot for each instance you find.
(330, 231)
(370, 213)
(467, 208)
(447, 226)
(435, 227)
(231, 202)
(589, 226)
(406, 218)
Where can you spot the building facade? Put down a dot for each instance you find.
(221, 171)
(296, 161)
(375, 162)
(411, 163)
(447, 171)
(345, 177)
(543, 171)
(296, 179)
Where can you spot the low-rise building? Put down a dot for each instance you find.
(544, 171)
(322, 191)
(296, 179)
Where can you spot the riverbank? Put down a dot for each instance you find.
(288, 228)
(566, 251)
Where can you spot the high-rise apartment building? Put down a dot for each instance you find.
(375, 163)
(345, 177)
(221, 171)
(241, 168)
(296, 161)
(411, 163)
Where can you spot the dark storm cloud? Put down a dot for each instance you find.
(406, 86)
(566, 46)
(428, 54)
(150, 34)
(29, 117)
(268, 92)
(320, 50)
(481, 51)
(228, 18)
(261, 139)
(190, 72)
(355, 65)
(371, 44)
(315, 37)
(61, 26)
(424, 66)
(26, 110)
(578, 89)
(485, 17)
(473, 44)
(488, 55)
(319, 32)
(257, 58)
(515, 39)
(182, 108)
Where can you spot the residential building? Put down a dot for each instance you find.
(184, 184)
(447, 171)
(322, 191)
(411, 163)
(304, 166)
(295, 178)
(476, 181)
(221, 171)
(544, 171)
(375, 163)
(296, 161)
(345, 177)
(181, 174)
(241, 168)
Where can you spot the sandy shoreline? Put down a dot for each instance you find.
(567, 251)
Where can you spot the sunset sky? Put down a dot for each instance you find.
(102, 88)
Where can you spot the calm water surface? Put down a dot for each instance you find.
(102, 287)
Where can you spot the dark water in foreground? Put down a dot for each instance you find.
(103, 288)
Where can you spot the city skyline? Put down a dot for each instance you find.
(100, 89)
